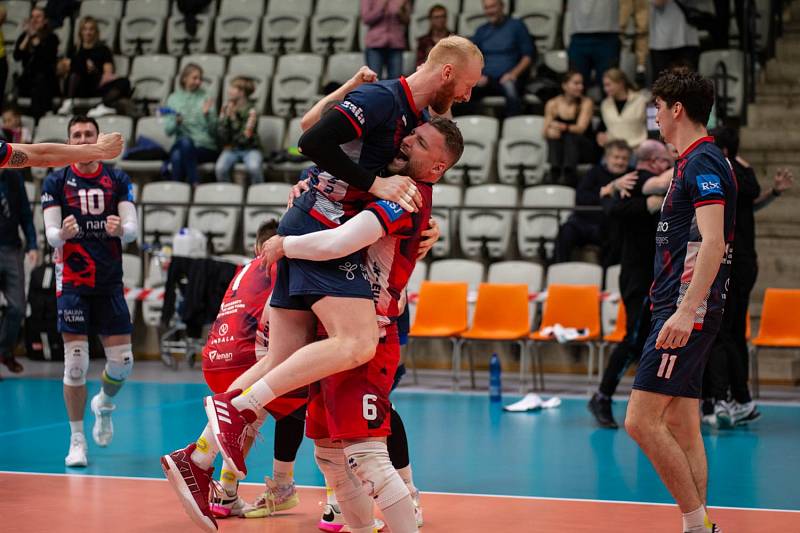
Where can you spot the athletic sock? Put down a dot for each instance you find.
(406, 476)
(696, 521)
(105, 399)
(254, 398)
(76, 426)
(330, 495)
(228, 480)
(205, 450)
(282, 472)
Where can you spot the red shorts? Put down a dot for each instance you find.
(354, 404)
(219, 381)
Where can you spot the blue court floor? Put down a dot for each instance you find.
(460, 443)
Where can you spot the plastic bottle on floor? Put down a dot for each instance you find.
(495, 380)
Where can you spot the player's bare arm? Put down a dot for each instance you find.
(109, 146)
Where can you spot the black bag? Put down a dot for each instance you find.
(42, 339)
(702, 20)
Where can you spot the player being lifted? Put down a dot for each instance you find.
(88, 215)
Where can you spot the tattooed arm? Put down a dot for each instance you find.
(108, 146)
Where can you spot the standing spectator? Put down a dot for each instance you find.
(13, 130)
(438, 30)
(386, 37)
(728, 364)
(567, 118)
(508, 53)
(594, 44)
(191, 118)
(673, 41)
(91, 73)
(640, 11)
(37, 50)
(15, 213)
(237, 135)
(637, 214)
(624, 111)
(584, 228)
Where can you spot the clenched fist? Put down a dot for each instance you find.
(110, 145)
(113, 226)
(69, 228)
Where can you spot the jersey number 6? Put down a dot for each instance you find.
(92, 201)
(370, 410)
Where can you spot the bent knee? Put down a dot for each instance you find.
(359, 349)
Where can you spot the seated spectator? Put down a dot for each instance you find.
(594, 44)
(624, 111)
(508, 52)
(13, 130)
(583, 228)
(191, 118)
(36, 50)
(567, 118)
(438, 30)
(91, 73)
(237, 135)
(385, 41)
(673, 41)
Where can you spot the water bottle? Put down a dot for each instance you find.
(495, 383)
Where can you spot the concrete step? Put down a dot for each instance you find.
(782, 72)
(762, 160)
(773, 115)
(764, 138)
(778, 263)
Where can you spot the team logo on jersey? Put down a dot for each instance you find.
(71, 182)
(709, 184)
(47, 197)
(348, 269)
(223, 329)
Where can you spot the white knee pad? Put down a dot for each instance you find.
(76, 362)
(370, 462)
(331, 462)
(119, 363)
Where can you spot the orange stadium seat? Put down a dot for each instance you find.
(779, 326)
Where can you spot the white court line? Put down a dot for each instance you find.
(468, 494)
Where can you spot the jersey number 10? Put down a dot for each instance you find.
(92, 201)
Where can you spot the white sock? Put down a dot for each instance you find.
(254, 398)
(206, 450)
(696, 521)
(228, 480)
(75, 426)
(407, 477)
(282, 472)
(330, 495)
(105, 399)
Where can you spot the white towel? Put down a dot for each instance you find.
(532, 402)
(562, 334)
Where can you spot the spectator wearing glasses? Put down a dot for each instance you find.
(438, 30)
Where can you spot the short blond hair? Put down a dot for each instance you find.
(454, 50)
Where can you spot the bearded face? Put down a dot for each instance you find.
(444, 97)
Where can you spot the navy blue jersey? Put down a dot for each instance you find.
(5, 153)
(91, 262)
(702, 177)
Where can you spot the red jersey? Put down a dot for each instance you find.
(232, 339)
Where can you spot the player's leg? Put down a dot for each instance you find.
(355, 504)
(683, 420)
(397, 444)
(73, 324)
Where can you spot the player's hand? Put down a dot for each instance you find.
(654, 203)
(676, 330)
(783, 180)
(113, 226)
(297, 190)
(272, 251)
(32, 257)
(69, 228)
(431, 235)
(364, 75)
(110, 145)
(398, 189)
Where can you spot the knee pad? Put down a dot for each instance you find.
(119, 363)
(370, 462)
(76, 362)
(331, 462)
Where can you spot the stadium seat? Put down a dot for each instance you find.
(445, 197)
(726, 69)
(779, 327)
(525, 272)
(101, 8)
(409, 62)
(534, 5)
(119, 124)
(614, 329)
(468, 22)
(537, 229)
(465, 270)
(290, 142)
(151, 78)
(122, 65)
(141, 34)
(480, 137)
(282, 32)
(271, 131)
(476, 6)
(557, 61)
(264, 201)
(490, 224)
(156, 8)
(237, 25)
(575, 273)
(543, 25)
(345, 7)
(611, 283)
(12, 26)
(612, 300)
(51, 128)
(295, 86)
(18, 8)
(131, 278)
(251, 8)
(153, 129)
(259, 68)
(571, 306)
(418, 275)
(180, 43)
(501, 314)
(161, 220)
(66, 38)
(332, 32)
(522, 151)
(218, 222)
(342, 66)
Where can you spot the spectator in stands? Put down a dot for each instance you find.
(386, 37)
(624, 111)
(37, 51)
(508, 52)
(673, 41)
(638, 214)
(58, 10)
(594, 44)
(237, 135)
(15, 214)
(567, 118)
(13, 130)
(190, 9)
(582, 227)
(438, 30)
(728, 366)
(91, 73)
(3, 58)
(191, 118)
(640, 11)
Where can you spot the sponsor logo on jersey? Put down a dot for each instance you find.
(47, 197)
(709, 184)
(71, 182)
(354, 110)
(223, 329)
(348, 269)
(393, 210)
(220, 340)
(214, 355)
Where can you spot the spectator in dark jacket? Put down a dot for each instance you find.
(37, 50)
(438, 30)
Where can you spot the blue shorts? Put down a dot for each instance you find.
(676, 372)
(84, 314)
(300, 282)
